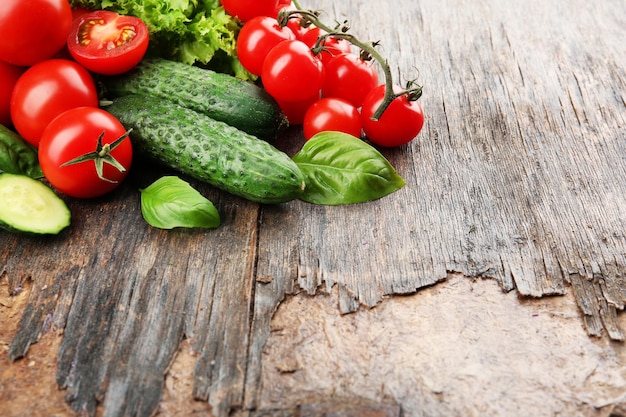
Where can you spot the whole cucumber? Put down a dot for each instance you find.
(208, 150)
(220, 96)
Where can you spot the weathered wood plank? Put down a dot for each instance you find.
(514, 176)
(508, 179)
(519, 175)
(126, 305)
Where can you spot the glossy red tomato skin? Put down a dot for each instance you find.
(9, 74)
(256, 38)
(332, 46)
(33, 30)
(296, 110)
(46, 90)
(107, 43)
(350, 78)
(295, 24)
(245, 10)
(291, 72)
(75, 133)
(399, 124)
(282, 5)
(332, 114)
(78, 12)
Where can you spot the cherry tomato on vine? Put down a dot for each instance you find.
(33, 30)
(349, 77)
(245, 10)
(399, 124)
(9, 74)
(291, 72)
(296, 110)
(332, 46)
(46, 90)
(256, 38)
(295, 24)
(283, 4)
(85, 152)
(107, 43)
(332, 114)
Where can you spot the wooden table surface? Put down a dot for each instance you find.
(519, 175)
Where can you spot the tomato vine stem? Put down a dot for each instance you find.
(413, 91)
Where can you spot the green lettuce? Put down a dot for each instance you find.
(189, 31)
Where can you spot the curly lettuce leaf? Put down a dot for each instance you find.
(190, 31)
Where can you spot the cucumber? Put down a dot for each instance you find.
(28, 205)
(208, 150)
(220, 96)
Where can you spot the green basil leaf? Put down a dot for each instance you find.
(18, 156)
(342, 169)
(170, 202)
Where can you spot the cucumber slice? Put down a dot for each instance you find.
(28, 205)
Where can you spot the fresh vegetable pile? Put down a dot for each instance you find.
(190, 31)
(323, 77)
(203, 88)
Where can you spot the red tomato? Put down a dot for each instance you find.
(295, 110)
(296, 27)
(332, 114)
(295, 24)
(245, 10)
(107, 43)
(332, 46)
(283, 4)
(399, 124)
(46, 90)
(349, 77)
(75, 134)
(9, 74)
(33, 30)
(78, 12)
(256, 38)
(291, 72)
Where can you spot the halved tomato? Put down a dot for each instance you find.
(108, 43)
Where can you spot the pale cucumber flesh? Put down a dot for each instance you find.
(28, 205)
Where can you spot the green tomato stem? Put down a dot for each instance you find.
(102, 155)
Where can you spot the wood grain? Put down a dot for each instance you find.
(519, 175)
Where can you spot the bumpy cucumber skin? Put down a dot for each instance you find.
(209, 150)
(220, 96)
